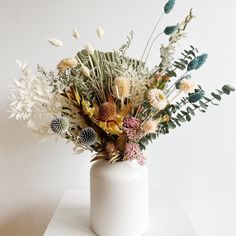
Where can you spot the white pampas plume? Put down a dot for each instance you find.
(89, 48)
(100, 32)
(76, 34)
(55, 42)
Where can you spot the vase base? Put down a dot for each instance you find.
(167, 216)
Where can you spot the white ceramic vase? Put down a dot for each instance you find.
(119, 198)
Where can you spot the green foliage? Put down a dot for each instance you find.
(127, 44)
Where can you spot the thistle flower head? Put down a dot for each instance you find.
(197, 62)
(55, 42)
(133, 152)
(60, 125)
(121, 87)
(66, 64)
(100, 32)
(169, 6)
(88, 136)
(169, 30)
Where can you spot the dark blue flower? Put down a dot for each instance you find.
(169, 6)
(170, 29)
(197, 62)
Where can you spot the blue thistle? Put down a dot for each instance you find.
(169, 6)
(197, 96)
(60, 125)
(88, 136)
(197, 62)
(170, 29)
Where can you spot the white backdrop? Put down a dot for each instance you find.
(197, 162)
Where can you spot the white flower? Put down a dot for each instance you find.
(100, 32)
(157, 99)
(149, 126)
(76, 34)
(55, 42)
(85, 70)
(32, 100)
(187, 86)
(121, 88)
(89, 48)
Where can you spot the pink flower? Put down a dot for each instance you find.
(132, 152)
(131, 122)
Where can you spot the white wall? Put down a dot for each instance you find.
(198, 162)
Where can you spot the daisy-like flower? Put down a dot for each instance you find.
(187, 86)
(133, 152)
(149, 126)
(66, 64)
(157, 99)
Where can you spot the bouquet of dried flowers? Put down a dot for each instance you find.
(110, 103)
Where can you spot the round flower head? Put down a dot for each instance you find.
(60, 125)
(88, 136)
(187, 86)
(66, 64)
(121, 88)
(132, 152)
(157, 99)
(107, 111)
(149, 126)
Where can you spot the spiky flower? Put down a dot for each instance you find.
(107, 111)
(66, 64)
(169, 6)
(60, 125)
(121, 88)
(197, 62)
(133, 152)
(88, 136)
(170, 29)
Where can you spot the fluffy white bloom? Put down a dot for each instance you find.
(76, 34)
(32, 100)
(89, 48)
(157, 99)
(121, 88)
(55, 42)
(149, 126)
(100, 32)
(187, 86)
(85, 70)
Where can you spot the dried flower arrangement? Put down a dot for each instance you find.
(112, 104)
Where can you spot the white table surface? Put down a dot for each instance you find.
(167, 217)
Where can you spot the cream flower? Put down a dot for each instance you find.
(55, 42)
(67, 63)
(149, 126)
(76, 34)
(100, 32)
(85, 70)
(89, 48)
(157, 99)
(121, 87)
(187, 86)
